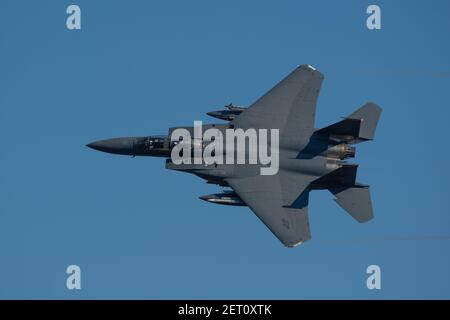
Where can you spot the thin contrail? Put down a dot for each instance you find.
(386, 239)
(394, 72)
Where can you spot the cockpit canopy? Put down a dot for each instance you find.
(152, 146)
(154, 142)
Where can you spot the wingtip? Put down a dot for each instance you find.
(312, 69)
(293, 245)
(308, 67)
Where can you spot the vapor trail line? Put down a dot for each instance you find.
(386, 239)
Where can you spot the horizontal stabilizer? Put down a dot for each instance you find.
(356, 201)
(344, 176)
(346, 127)
(357, 127)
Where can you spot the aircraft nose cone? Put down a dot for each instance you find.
(115, 145)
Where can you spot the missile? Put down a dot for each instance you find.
(229, 198)
(232, 107)
(227, 114)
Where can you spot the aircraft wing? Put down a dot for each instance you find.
(280, 202)
(290, 106)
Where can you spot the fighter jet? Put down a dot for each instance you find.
(309, 158)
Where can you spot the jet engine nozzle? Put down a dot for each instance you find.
(341, 151)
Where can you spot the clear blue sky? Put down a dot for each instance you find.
(139, 67)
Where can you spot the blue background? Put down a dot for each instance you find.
(139, 67)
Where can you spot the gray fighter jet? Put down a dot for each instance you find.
(309, 158)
